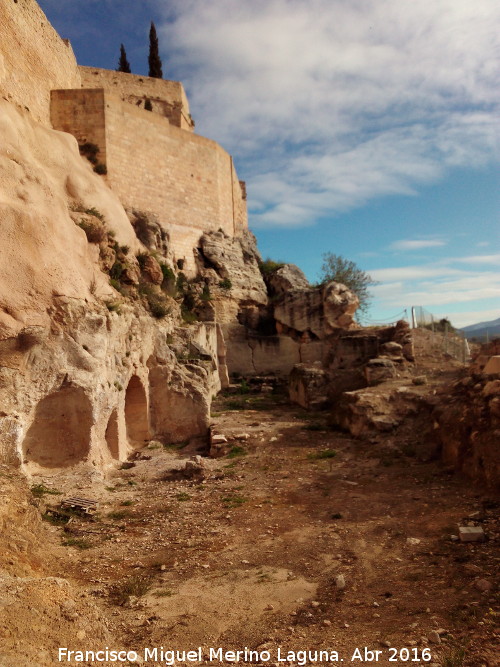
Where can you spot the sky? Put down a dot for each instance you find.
(365, 128)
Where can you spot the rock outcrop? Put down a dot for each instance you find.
(86, 373)
(316, 311)
(467, 426)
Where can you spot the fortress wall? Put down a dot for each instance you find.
(33, 58)
(185, 179)
(188, 181)
(81, 113)
(167, 97)
(240, 203)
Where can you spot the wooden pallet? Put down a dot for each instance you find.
(81, 504)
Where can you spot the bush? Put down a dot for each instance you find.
(157, 302)
(141, 258)
(340, 270)
(94, 232)
(116, 270)
(39, 490)
(225, 284)
(205, 294)
(269, 266)
(135, 586)
(188, 316)
(168, 274)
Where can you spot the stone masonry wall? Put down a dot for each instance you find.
(33, 58)
(188, 181)
(167, 97)
(81, 113)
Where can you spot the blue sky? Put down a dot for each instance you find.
(366, 128)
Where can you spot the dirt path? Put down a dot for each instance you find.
(255, 555)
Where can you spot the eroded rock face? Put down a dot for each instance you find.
(368, 411)
(317, 310)
(236, 261)
(43, 252)
(467, 421)
(287, 278)
(99, 385)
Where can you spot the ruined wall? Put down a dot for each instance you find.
(167, 97)
(188, 181)
(33, 58)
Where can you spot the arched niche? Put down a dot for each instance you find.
(136, 413)
(60, 433)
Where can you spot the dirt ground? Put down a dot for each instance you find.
(300, 539)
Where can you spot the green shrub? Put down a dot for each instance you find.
(118, 516)
(205, 294)
(168, 274)
(225, 284)
(78, 543)
(141, 258)
(95, 233)
(188, 316)
(135, 586)
(236, 451)
(269, 266)
(158, 310)
(39, 490)
(181, 281)
(116, 270)
(113, 307)
(324, 454)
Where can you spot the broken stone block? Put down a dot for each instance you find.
(391, 349)
(218, 445)
(308, 386)
(379, 370)
(471, 534)
(492, 366)
(194, 468)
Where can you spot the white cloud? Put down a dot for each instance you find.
(416, 244)
(480, 259)
(371, 97)
(437, 286)
(461, 319)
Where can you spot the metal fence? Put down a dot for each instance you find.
(442, 336)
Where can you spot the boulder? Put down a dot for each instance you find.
(379, 370)
(308, 386)
(288, 277)
(152, 270)
(318, 310)
(235, 260)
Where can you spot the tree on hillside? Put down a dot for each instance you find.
(154, 55)
(341, 270)
(123, 63)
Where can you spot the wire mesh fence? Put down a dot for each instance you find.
(443, 336)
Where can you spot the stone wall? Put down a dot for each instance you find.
(33, 58)
(167, 97)
(67, 116)
(188, 181)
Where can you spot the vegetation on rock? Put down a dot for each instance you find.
(340, 270)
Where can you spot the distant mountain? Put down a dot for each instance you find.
(483, 329)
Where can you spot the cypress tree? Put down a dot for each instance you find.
(154, 55)
(123, 63)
